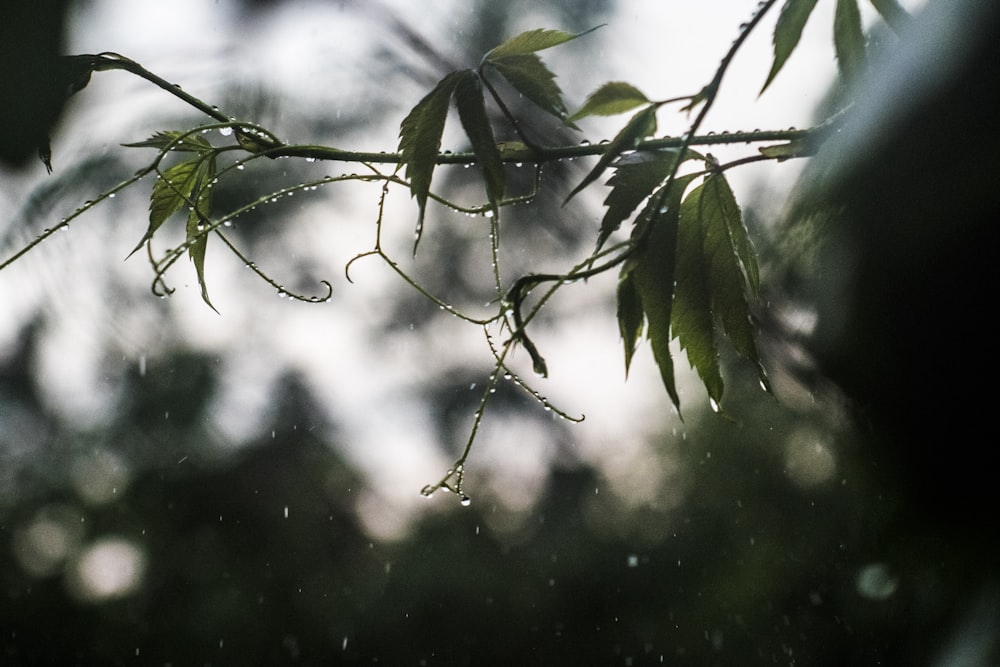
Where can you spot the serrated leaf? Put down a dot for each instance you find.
(630, 185)
(719, 201)
(630, 315)
(654, 271)
(530, 77)
(171, 138)
(848, 39)
(531, 41)
(172, 189)
(640, 125)
(197, 224)
(612, 98)
(691, 319)
(472, 113)
(420, 140)
(725, 247)
(787, 33)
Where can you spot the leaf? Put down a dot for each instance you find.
(612, 98)
(653, 275)
(725, 247)
(787, 32)
(691, 319)
(172, 139)
(197, 224)
(721, 202)
(172, 189)
(630, 316)
(420, 140)
(472, 113)
(630, 185)
(640, 125)
(848, 39)
(531, 41)
(530, 77)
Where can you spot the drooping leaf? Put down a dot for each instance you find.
(172, 138)
(531, 41)
(612, 98)
(472, 113)
(725, 247)
(172, 189)
(848, 39)
(787, 32)
(420, 140)
(630, 315)
(639, 126)
(198, 222)
(653, 274)
(630, 185)
(530, 77)
(691, 320)
(719, 202)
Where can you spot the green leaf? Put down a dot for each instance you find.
(720, 202)
(530, 77)
(172, 189)
(639, 126)
(654, 269)
(197, 225)
(472, 113)
(725, 247)
(848, 39)
(173, 139)
(787, 32)
(630, 185)
(691, 320)
(612, 98)
(630, 315)
(531, 41)
(420, 140)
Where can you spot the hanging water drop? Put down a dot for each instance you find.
(466, 501)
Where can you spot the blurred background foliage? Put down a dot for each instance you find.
(173, 494)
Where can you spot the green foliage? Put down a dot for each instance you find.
(848, 39)
(641, 125)
(687, 270)
(420, 141)
(612, 98)
(787, 33)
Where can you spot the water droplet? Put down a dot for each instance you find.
(466, 501)
(240, 167)
(310, 159)
(713, 404)
(427, 491)
(633, 560)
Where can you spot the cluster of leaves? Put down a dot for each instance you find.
(515, 60)
(687, 271)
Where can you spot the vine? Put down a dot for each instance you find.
(687, 270)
